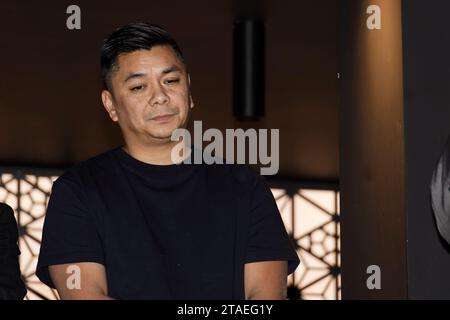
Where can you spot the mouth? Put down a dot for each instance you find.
(162, 118)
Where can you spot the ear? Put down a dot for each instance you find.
(108, 103)
(192, 101)
(190, 95)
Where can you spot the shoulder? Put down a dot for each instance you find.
(5, 208)
(79, 173)
(6, 213)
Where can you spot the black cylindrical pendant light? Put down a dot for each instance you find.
(248, 69)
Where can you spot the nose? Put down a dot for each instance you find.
(159, 96)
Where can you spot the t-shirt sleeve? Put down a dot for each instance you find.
(267, 236)
(70, 232)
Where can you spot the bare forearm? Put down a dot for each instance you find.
(266, 280)
(267, 295)
(92, 296)
(80, 281)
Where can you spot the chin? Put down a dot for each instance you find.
(163, 131)
(162, 134)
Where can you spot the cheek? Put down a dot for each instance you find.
(131, 110)
(184, 103)
(184, 108)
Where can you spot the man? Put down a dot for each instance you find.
(440, 193)
(132, 224)
(11, 284)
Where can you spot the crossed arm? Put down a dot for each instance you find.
(262, 281)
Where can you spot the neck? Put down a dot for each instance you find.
(158, 154)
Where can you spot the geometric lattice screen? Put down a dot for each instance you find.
(28, 195)
(311, 217)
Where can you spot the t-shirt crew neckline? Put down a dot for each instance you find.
(167, 174)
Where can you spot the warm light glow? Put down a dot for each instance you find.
(28, 196)
(308, 215)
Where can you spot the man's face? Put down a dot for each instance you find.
(150, 95)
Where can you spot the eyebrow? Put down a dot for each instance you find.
(133, 75)
(170, 69)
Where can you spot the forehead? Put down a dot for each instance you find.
(157, 58)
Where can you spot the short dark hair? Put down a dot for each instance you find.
(130, 38)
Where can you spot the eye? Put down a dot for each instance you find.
(137, 88)
(171, 81)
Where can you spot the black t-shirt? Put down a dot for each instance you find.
(181, 231)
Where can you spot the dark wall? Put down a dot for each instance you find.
(50, 107)
(394, 123)
(373, 224)
(426, 50)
